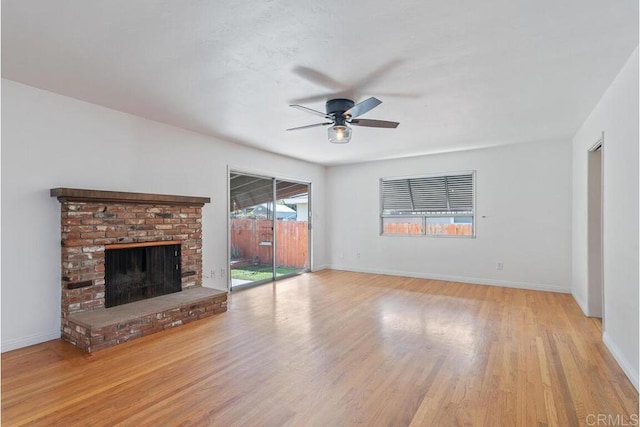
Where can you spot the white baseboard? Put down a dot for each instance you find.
(320, 267)
(16, 343)
(462, 279)
(630, 370)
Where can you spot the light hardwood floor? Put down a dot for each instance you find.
(338, 349)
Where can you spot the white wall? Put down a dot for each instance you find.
(51, 141)
(617, 115)
(523, 219)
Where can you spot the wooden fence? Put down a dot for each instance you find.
(432, 229)
(252, 240)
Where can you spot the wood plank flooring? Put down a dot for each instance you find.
(338, 349)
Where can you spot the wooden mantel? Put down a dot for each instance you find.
(82, 195)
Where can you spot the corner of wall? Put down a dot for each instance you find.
(581, 303)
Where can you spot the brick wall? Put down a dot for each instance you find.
(88, 226)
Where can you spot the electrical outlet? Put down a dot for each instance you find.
(500, 266)
(223, 272)
(213, 274)
(358, 255)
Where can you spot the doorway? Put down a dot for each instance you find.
(269, 229)
(594, 230)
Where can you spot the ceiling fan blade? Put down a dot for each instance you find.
(310, 110)
(350, 95)
(363, 107)
(311, 126)
(377, 74)
(324, 97)
(313, 98)
(374, 123)
(318, 78)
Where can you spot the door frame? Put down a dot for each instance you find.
(273, 178)
(595, 303)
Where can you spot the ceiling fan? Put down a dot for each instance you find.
(343, 112)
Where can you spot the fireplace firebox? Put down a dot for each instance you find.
(134, 272)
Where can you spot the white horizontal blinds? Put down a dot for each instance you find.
(460, 192)
(429, 195)
(396, 196)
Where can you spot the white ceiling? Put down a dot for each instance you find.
(455, 74)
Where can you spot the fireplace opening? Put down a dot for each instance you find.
(135, 272)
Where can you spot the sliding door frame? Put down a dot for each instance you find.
(274, 179)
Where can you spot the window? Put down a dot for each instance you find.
(429, 205)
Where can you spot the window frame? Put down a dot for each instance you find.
(424, 217)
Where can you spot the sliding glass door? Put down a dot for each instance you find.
(268, 229)
(292, 228)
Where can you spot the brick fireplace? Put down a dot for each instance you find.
(94, 223)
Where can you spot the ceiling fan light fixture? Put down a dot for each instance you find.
(339, 134)
(343, 112)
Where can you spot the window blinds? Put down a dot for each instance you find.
(428, 195)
